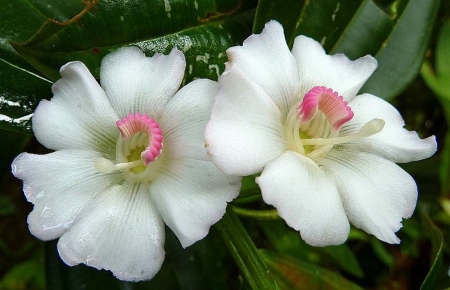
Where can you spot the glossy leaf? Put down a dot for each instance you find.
(199, 28)
(437, 242)
(104, 26)
(20, 92)
(296, 274)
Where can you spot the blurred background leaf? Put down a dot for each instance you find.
(296, 274)
(438, 79)
(437, 241)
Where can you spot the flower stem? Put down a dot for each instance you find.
(271, 214)
(245, 253)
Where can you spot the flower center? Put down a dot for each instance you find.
(312, 127)
(137, 149)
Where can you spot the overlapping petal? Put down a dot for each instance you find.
(191, 195)
(57, 201)
(394, 142)
(245, 131)
(337, 72)
(266, 60)
(138, 84)
(306, 198)
(184, 119)
(79, 116)
(119, 231)
(376, 193)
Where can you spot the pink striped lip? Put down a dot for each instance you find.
(333, 106)
(137, 123)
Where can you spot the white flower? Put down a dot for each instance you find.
(111, 216)
(325, 159)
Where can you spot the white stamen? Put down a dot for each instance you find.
(106, 166)
(372, 127)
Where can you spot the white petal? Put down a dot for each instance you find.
(266, 60)
(306, 198)
(184, 120)
(376, 193)
(191, 195)
(119, 231)
(139, 84)
(79, 116)
(245, 131)
(394, 142)
(337, 72)
(59, 185)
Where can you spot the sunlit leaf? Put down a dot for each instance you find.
(296, 274)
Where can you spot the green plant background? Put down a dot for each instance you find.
(409, 38)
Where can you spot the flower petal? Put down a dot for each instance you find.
(306, 198)
(184, 120)
(191, 195)
(139, 84)
(376, 193)
(266, 60)
(119, 231)
(79, 116)
(337, 72)
(245, 131)
(394, 142)
(59, 185)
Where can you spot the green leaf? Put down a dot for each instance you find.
(345, 258)
(402, 53)
(437, 242)
(288, 242)
(287, 14)
(20, 92)
(203, 30)
(25, 275)
(365, 33)
(296, 274)
(322, 20)
(438, 80)
(357, 28)
(244, 252)
(104, 26)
